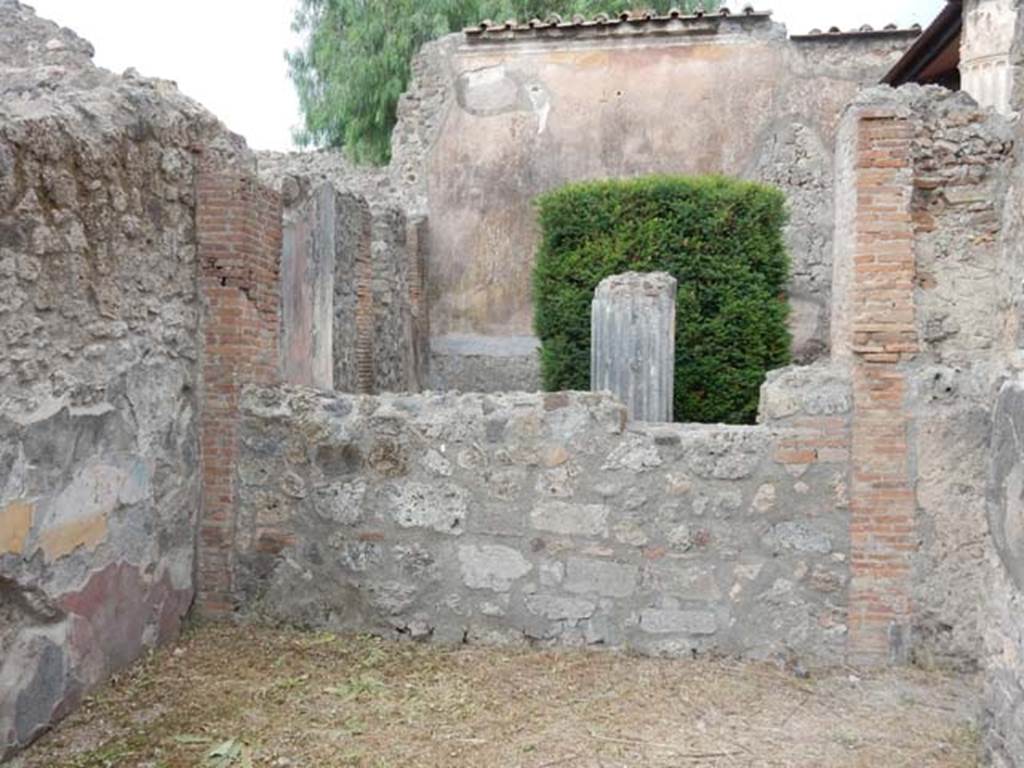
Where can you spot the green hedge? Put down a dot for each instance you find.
(720, 238)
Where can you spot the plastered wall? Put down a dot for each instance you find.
(496, 123)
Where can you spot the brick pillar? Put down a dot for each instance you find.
(238, 229)
(880, 307)
(366, 329)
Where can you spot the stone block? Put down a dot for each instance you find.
(491, 567)
(664, 622)
(340, 502)
(571, 519)
(600, 577)
(801, 538)
(637, 453)
(15, 524)
(683, 582)
(441, 507)
(557, 608)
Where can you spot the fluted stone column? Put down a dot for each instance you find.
(985, 52)
(633, 342)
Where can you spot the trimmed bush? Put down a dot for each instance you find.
(720, 238)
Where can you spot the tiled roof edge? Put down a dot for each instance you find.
(890, 30)
(675, 21)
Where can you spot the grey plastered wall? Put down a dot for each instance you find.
(1004, 630)
(1003, 609)
(307, 291)
(99, 485)
(546, 519)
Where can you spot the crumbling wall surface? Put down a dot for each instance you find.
(422, 113)
(1003, 616)
(99, 485)
(962, 159)
(965, 323)
(496, 123)
(379, 337)
(924, 313)
(297, 174)
(925, 317)
(531, 518)
(395, 267)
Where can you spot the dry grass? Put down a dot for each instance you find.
(295, 699)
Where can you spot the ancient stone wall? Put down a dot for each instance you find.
(922, 318)
(501, 120)
(1003, 608)
(239, 239)
(1004, 632)
(548, 519)
(376, 290)
(964, 319)
(924, 321)
(100, 349)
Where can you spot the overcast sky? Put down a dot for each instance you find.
(229, 54)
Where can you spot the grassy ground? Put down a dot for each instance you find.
(235, 697)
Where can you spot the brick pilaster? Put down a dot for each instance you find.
(881, 306)
(366, 369)
(238, 229)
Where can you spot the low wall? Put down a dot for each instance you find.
(521, 518)
(472, 363)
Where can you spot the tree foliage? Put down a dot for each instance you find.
(720, 238)
(357, 54)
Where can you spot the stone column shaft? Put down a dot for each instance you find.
(633, 342)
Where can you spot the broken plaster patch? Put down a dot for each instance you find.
(15, 524)
(78, 516)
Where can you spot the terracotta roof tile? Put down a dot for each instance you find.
(555, 26)
(889, 30)
(675, 21)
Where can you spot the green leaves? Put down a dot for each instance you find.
(721, 239)
(357, 58)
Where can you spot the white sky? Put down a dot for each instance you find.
(229, 54)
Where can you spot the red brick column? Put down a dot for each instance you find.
(238, 229)
(881, 309)
(366, 369)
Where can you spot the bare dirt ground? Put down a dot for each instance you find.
(233, 697)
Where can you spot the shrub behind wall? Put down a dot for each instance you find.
(720, 238)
